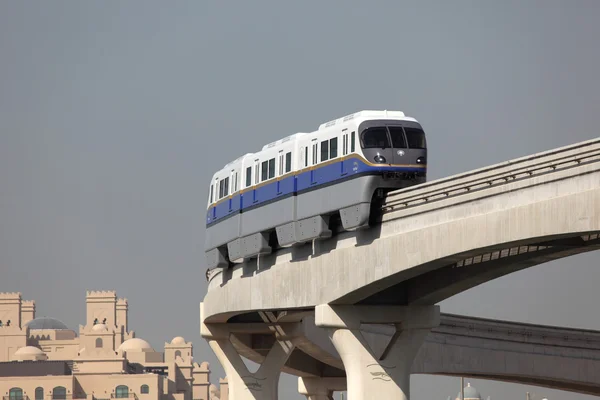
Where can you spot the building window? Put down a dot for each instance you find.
(177, 354)
(59, 393)
(144, 389)
(15, 394)
(39, 393)
(98, 343)
(121, 392)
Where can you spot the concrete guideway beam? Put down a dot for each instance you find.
(243, 384)
(320, 388)
(369, 375)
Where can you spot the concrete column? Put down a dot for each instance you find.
(377, 374)
(320, 388)
(243, 384)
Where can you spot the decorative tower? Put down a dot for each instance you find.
(122, 316)
(27, 311)
(101, 308)
(13, 333)
(10, 309)
(179, 353)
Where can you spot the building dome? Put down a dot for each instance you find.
(29, 353)
(470, 393)
(99, 328)
(46, 323)
(178, 340)
(136, 345)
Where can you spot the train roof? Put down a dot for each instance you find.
(374, 114)
(285, 139)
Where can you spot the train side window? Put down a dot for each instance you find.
(211, 192)
(226, 187)
(248, 176)
(306, 156)
(288, 162)
(264, 171)
(280, 163)
(271, 168)
(256, 174)
(314, 153)
(333, 147)
(221, 189)
(236, 183)
(352, 142)
(324, 150)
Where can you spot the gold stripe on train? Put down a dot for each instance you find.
(313, 167)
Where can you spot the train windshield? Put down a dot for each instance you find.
(416, 138)
(375, 138)
(399, 137)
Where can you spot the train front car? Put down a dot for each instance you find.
(397, 148)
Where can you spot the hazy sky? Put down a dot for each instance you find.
(114, 115)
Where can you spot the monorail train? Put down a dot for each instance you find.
(302, 187)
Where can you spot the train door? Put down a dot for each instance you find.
(256, 179)
(344, 151)
(217, 198)
(315, 148)
(230, 189)
(280, 172)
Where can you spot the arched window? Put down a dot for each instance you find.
(122, 392)
(59, 393)
(177, 354)
(144, 389)
(15, 394)
(39, 393)
(99, 343)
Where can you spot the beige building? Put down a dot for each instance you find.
(41, 358)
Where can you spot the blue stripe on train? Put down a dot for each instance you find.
(306, 180)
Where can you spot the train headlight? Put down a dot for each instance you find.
(421, 160)
(380, 159)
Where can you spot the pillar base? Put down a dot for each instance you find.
(320, 388)
(371, 376)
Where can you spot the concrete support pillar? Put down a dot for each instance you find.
(243, 384)
(320, 388)
(371, 375)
